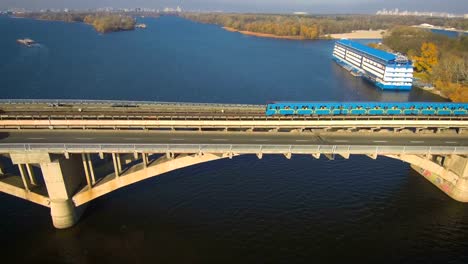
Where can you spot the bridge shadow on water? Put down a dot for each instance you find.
(250, 210)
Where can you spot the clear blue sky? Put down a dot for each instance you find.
(311, 6)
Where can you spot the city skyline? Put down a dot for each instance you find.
(310, 6)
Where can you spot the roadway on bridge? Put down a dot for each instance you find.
(284, 138)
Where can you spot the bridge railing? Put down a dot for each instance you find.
(231, 148)
(117, 102)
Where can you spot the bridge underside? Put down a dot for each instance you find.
(66, 181)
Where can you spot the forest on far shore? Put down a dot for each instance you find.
(439, 60)
(313, 27)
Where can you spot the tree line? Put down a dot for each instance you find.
(110, 23)
(437, 59)
(313, 27)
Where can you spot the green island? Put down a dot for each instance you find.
(102, 22)
(438, 60)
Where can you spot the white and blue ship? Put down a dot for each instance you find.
(387, 70)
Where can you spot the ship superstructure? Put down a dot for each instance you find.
(387, 70)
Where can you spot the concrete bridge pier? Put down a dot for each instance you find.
(453, 180)
(449, 173)
(63, 177)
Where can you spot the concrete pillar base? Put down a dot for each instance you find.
(460, 191)
(457, 191)
(64, 213)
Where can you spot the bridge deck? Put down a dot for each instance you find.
(60, 141)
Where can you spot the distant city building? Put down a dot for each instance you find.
(300, 13)
(397, 12)
(178, 9)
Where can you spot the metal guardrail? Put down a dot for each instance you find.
(230, 148)
(117, 102)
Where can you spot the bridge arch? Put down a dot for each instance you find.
(139, 172)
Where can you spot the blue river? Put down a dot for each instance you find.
(243, 210)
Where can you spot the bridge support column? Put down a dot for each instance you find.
(449, 173)
(144, 158)
(63, 177)
(456, 189)
(32, 177)
(116, 167)
(27, 185)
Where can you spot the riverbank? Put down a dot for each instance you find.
(263, 35)
(360, 34)
(434, 91)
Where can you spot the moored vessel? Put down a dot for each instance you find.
(386, 70)
(27, 42)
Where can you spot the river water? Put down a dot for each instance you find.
(240, 210)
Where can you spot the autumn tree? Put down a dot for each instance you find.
(425, 63)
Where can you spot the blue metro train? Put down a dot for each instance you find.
(366, 108)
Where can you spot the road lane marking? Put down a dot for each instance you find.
(417, 141)
(219, 139)
(36, 138)
(341, 140)
(177, 139)
(84, 138)
(451, 142)
(380, 141)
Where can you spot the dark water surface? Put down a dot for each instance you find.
(241, 210)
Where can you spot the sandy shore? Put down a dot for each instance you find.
(360, 34)
(263, 35)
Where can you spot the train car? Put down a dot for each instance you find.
(366, 108)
